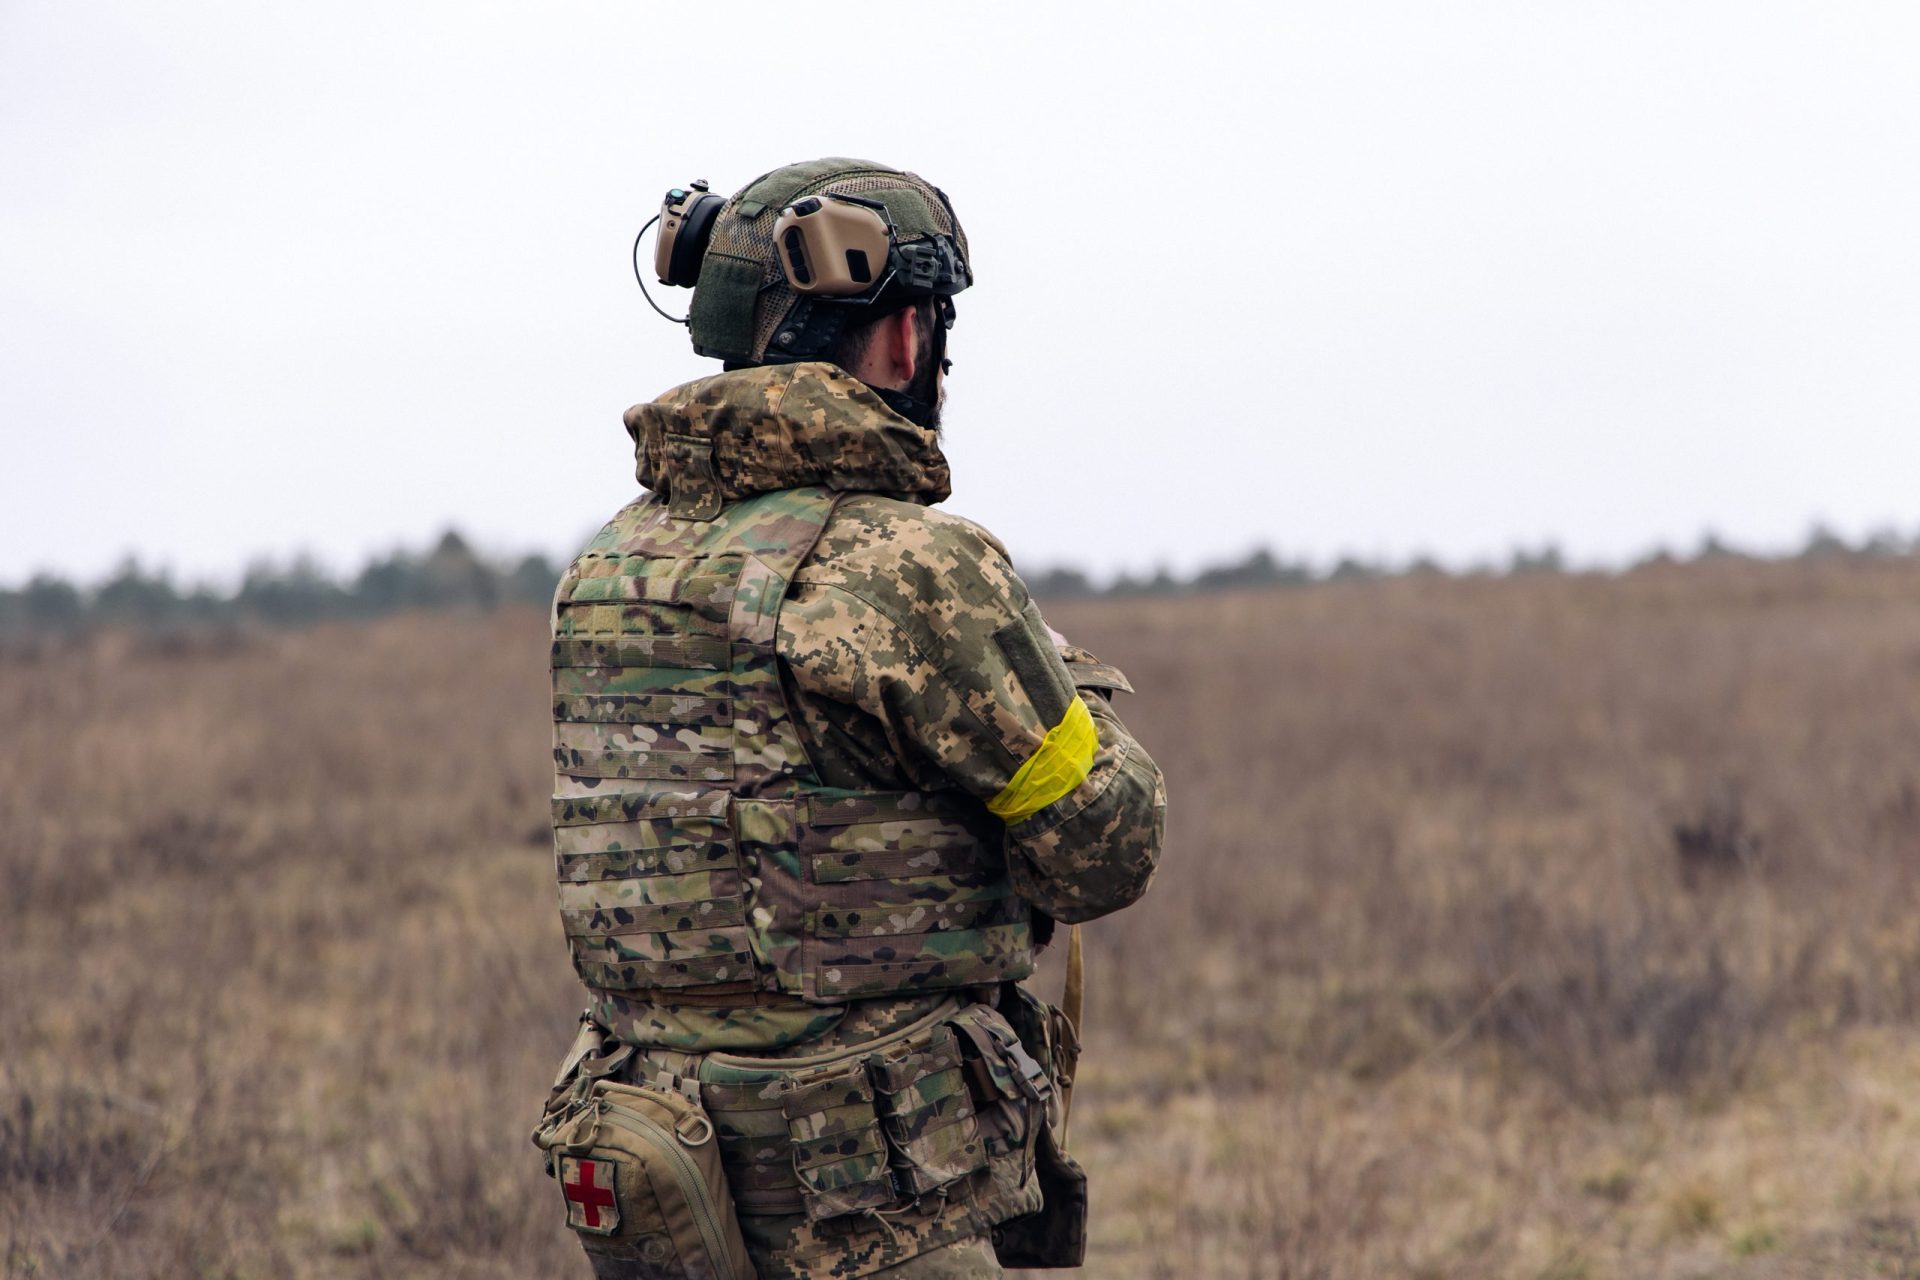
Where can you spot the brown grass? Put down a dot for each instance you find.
(1545, 927)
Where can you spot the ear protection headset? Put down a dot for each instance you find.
(831, 247)
(845, 248)
(686, 224)
(834, 246)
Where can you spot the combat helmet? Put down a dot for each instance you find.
(797, 256)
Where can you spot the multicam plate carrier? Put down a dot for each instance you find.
(697, 853)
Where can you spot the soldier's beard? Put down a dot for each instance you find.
(939, 403)
(927, 386)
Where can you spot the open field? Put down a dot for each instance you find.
(1546, 927)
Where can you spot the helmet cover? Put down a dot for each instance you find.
(745, 312)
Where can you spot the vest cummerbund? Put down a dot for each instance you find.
(696, 851)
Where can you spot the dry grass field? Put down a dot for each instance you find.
(1546, 927)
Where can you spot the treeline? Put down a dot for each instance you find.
(454, 576)
(451, 576)
(1262, 568)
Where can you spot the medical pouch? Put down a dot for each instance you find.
(641, 1178)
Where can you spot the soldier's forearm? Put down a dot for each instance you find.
(1094, 851)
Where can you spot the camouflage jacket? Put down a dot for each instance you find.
(913, 659)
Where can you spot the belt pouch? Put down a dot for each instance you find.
(1056, 1235)
(839, 1153)
(644, 1189)
(927, 1113)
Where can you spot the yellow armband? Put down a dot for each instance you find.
(1060, 765)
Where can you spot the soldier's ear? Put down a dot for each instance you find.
(900, 335)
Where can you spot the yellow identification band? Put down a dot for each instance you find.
(1060, 765)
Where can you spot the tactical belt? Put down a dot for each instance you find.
(874, 1126)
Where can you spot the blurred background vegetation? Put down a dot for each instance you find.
(455, 575)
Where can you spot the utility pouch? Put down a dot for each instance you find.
(1012, 1087)
(641, 1178)
(1056, 1235)
(1046, 1035)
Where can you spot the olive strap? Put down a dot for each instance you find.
(1072, 999)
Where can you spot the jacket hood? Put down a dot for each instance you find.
(748, 431)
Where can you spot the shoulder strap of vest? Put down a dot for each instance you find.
(778, 532)
(781, 528)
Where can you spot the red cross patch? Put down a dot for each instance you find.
(588, 1186)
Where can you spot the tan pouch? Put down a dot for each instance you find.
(640, 1175)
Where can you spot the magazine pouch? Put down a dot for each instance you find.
(920, 1116)
(928, 1112)
(839, 1152)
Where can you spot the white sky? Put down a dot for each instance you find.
(1372, 277)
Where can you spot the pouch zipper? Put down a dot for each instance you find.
(690, 1182)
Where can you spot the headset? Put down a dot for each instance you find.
(835, 246)
(686, 224)
(842, 248)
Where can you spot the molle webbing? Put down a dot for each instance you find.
(695, 849)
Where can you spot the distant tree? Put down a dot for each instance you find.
(1712, 548)
(531, 581)
(1354, 569)
(388, 584)
(1659, 556)
(201, 605)
(1546, 560)
(1260, 568)
(51, 604)
(133, 596)
(1161, 583)
(298, 593)
(453, 575)
(1824, 544)
(1061, 583)
(1886, 541)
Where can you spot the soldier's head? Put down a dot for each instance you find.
(835, 259)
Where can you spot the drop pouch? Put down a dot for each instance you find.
(640, 1177)
(1056, 1235)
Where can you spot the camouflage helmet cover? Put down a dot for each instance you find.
(744, 312)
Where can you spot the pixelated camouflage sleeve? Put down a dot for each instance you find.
(916, 621)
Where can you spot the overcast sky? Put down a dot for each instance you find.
(1371, 277)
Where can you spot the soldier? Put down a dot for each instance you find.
(825, 783)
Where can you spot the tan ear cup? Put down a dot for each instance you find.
(686, 222)
(832, 248)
